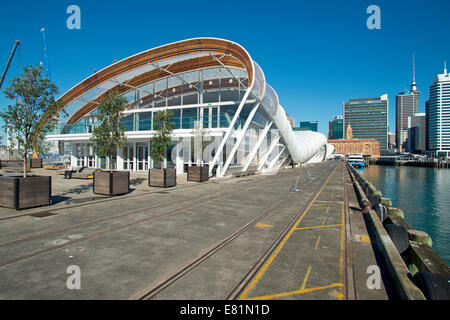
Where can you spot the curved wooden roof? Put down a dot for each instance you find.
(235, 56)
(153, 75)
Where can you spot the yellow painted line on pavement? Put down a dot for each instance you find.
(306, 278)
(282, 243)
(317, 243)
(341, 257)
(262, 225)
(337, 203)
(315, 227)
(301, 291)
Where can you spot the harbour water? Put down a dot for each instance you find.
(423, 194)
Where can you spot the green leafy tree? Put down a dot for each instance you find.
(161, 141)
(33, 97)
(109, 136)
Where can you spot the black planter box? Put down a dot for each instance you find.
(111, 183)
(34, 163)
(163, 178)
(22, 193)
(199, 174)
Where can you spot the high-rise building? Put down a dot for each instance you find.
(427, 131)
(336, 128)
(439, 115)
(416, 132)
(391, 140)
(368, 118)
(406, 105)
(307, 125)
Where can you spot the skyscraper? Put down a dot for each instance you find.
(336, 128)
(307, 125)
(416, 132)
(406, 105)
(439, 115)
(368, 118)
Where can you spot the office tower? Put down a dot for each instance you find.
(336, 128)
(406, 105)
(368, 118)
(307, 125)
(427, 131)
(416, 132)
(439, 115)
(391, 140)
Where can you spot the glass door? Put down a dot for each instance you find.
(142, 156)
(128, 157)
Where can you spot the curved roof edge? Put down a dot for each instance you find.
(171, 50)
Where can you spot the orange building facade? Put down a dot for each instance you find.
(368, 147)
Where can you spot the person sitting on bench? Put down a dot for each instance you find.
(68, 172)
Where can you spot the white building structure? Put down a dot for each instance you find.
(207, 83)
(439, 115)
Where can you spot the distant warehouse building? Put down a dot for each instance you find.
(368, 147)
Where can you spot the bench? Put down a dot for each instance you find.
(81, 173)
(85, 173)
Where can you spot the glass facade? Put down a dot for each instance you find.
(368, 119)
(336, 128)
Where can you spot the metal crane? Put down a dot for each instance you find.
(13, 51)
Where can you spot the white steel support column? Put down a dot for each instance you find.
(134, 157)
(276, 159)
(228, 132)
(86, 154)
(73, 157)
(269, 151)
(149, 159)
(119, 160)
(253, 153)
(230, 156)
(281, 162)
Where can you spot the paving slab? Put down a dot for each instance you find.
(127, 245)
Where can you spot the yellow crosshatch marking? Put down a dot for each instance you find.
(266, 265)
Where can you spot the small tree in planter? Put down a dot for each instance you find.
(33, 97)
(200, 172)
(164, 177)
(108, 137)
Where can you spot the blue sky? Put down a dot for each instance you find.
(315, 54)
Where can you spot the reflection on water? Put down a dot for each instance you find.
(423, 194)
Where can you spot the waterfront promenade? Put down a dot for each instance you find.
(232, 238)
